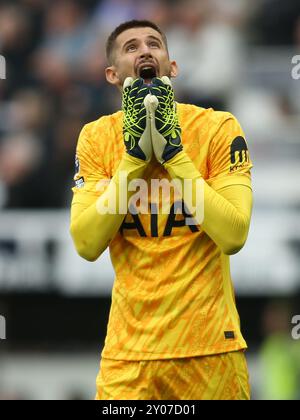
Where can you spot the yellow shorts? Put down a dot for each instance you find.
(217, 377)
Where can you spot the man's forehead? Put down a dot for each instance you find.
(137, 33)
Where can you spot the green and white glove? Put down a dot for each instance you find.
(165, 128)
(136, 122)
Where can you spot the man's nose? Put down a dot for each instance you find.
(145, 51)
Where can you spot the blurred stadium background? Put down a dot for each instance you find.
(234, 55)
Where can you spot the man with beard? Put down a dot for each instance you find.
(173, 331)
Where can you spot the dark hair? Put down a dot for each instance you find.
(110, 44)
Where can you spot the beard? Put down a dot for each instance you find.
(146, 74)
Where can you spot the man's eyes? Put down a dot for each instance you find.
(154, 44)
(133, 47)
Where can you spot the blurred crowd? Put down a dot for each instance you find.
(54, 52)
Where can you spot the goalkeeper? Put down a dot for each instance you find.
(173, 331)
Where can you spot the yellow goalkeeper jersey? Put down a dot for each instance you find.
(173, 295)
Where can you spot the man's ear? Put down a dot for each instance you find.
(112, 76)
(174, 69)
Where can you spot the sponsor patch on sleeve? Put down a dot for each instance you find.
(77, 166)
(79, 182)
(239, 154)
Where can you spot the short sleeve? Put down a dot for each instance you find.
(229, 160)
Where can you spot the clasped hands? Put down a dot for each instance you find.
(150, 122)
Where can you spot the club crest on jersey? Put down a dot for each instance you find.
(239, 154)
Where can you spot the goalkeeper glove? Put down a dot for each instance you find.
(136, 122)
(165, 128)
